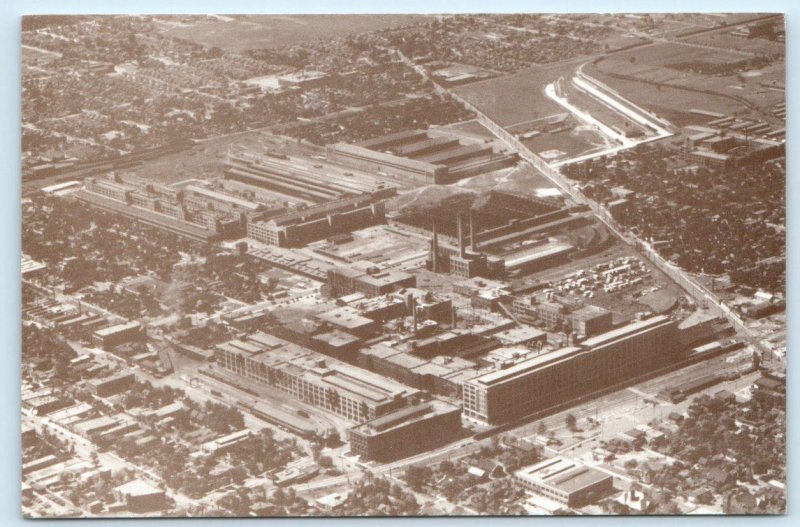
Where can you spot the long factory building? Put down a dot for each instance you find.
(315, 379)
(406, 432)
(296, 229)
(559, 376)
(308, 179)
(192, 211)
(416, 156)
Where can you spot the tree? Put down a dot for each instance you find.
(572, 422)
(446, 467)
(416, 476)
(325, 462)
(541, 429)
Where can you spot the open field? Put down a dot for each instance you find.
(519, 97)
(672, 53)
(732, 42)
(671, 103)
(235, 33)
(473, 128)
(652, 86)
(572, 142)
(522, 180)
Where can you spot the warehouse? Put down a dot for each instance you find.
(559, 376)
(406, 432)
(299, 228)
(366, 159)
(566, 481)
(353, 393)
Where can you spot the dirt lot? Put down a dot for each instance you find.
(519, 97)
(574, 142)
(472, 128)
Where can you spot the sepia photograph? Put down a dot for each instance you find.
(413, 265)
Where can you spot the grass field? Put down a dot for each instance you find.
(235, 33)
(671, 103)
(728, 41)
(519, 97)
(649, 66)
(671, 53)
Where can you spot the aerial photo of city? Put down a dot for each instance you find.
(403, 265)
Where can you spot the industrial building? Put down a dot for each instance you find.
(416, 156)
(438, 374)
(298, 178)
(583, 320)
(113, 385)
(192, 211)
(734, 143)
(409, 301)
(566, 481)
(140, 496)
(458, 260)
(349, 320)
(119, 334)
(366, 278)
(299, 228)
(559, 376)
(365, 159)
(406, 432)
(349, 391)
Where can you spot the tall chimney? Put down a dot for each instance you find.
(453, 316)
(472, 234)
(435, 249)
(461, 243)
(414, 311)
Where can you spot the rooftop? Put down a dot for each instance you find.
(563, 474)
(138, 487)
(387, 158)
(345, 317)
(525, 366)
(624, 331)
(405, 416)
(111, 330)
(327, 372)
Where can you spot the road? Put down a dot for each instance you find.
(700, 293)
(85, 449)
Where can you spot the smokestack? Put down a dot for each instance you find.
(453, 317)
(472, 235)
(435, 249)
(461, 243)
(414, 311)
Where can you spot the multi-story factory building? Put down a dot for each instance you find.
(406, 432)
(296, 229)
(366, 278)
(552, 378)
(313, 378)
(309, 180)
(191, 210)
